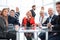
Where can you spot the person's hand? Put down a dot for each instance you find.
(40, 25)
(16, 27)
(17, 9)
(24, 27)
(55, 34)
(49, 25)
(33, 27)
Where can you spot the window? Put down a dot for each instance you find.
(38, 3)
(47, 1)
(2, 2)
(57, 0)
(25, 5)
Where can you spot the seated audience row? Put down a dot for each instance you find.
(9, 19)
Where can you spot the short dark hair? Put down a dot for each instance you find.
(12, 10)
(57, 3)
(33, 6)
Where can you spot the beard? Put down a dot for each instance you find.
(34, 9)
(58, 13)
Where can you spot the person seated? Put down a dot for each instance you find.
(49, 20)
(42, 18)
(2, 28)
(51, 17)
(11, 18)
(17, 14)
(4, 15)
(43, 9)
(56, 27)
(28, 23)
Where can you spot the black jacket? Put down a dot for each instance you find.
(12, 20)
(47, 21)
(33, 13)
(57, 23)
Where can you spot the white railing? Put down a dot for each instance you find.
(21, 30)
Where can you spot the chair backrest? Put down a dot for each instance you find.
(10, 26)
(11, 29)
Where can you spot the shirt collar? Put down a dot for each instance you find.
(52, 15)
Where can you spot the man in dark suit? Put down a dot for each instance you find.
(56, 27)
(32, 11)
(51, 17)
(49, 20)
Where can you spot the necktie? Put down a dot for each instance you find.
(50, 19)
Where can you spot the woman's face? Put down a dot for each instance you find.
(29, 14)
(42, 14)
(5, 12)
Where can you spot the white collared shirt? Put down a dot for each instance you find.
(51, 18)
(42, 20)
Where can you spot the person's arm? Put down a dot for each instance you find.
(32, 22)
(45, 23)
(24, 22)
(17, 22)
(56, 27)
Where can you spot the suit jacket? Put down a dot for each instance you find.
(55, 29)
(47, 21)
(33, 13)
(57, 24)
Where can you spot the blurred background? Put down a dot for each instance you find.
(25, 5)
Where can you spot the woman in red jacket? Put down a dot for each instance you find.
(28, 23)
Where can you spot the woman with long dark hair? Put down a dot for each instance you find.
(4, 15)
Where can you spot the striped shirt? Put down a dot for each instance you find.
(17, 14)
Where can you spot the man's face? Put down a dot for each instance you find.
(58, 8)
(42, 14)
(42, 8)
(50, 11)
(12, 13)
(34, 8)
